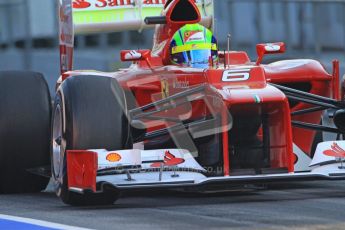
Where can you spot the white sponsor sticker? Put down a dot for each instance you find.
(121, 158)
(132, 55)
(199, 36)
(147, 159)
(272, 48)
(329, 151)
(66, 23)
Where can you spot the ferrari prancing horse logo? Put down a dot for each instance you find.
(165, 88)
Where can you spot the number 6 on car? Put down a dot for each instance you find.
(236, 75)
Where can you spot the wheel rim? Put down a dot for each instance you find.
(57, 143)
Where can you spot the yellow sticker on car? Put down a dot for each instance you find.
(165, 88)
(113, 157)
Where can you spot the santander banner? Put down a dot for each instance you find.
(110, 4)
(80, 5)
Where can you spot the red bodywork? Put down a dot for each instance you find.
(240, 83)
(82, 167)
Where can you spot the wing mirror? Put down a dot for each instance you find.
(134, 55)
(269, 48)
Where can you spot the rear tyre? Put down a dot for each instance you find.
(88, 114)
(25, 106)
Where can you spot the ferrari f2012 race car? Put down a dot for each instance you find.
(183, 115)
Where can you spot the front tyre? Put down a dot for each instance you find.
(89, 113)
(25, 117)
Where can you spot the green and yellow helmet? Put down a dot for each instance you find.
(194, 46)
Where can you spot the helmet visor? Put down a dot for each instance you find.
(194, 56)
(200, 58)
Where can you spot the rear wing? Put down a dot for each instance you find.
(97, 16)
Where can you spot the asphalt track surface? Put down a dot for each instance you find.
(302, 205)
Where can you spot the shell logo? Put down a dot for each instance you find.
(113, 157)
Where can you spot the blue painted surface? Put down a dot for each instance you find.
(9, 225)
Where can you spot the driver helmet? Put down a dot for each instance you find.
(194, 46)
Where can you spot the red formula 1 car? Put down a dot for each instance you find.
(184, 114)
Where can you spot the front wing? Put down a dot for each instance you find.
(92, 170)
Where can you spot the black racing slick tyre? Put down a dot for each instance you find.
(25, 106)
(89, 113)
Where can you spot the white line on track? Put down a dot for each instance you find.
(40, 223)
